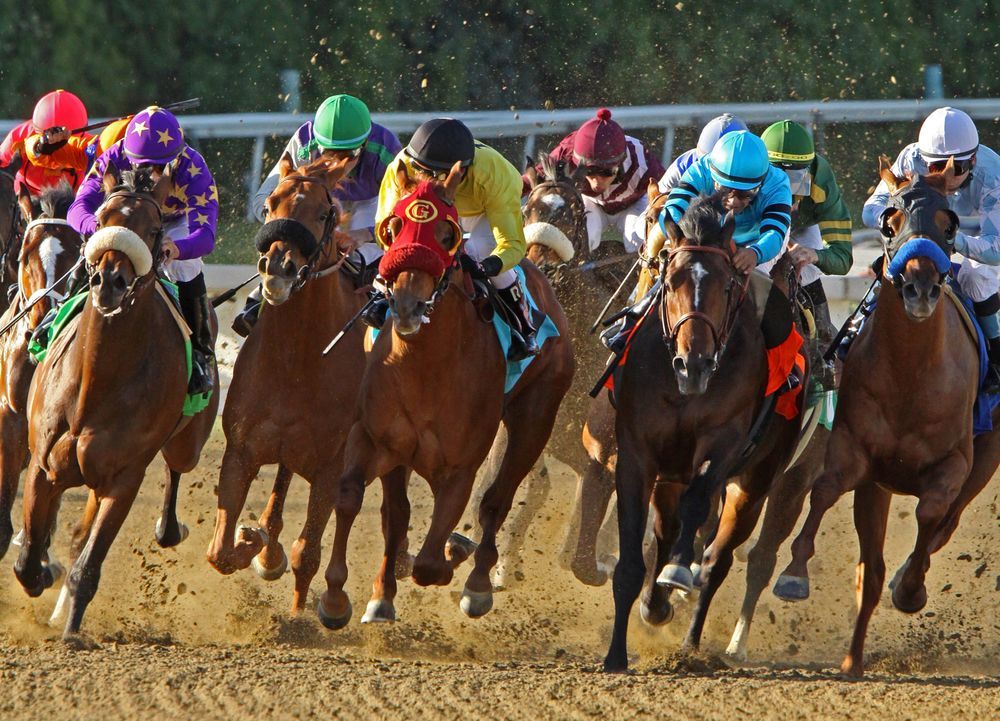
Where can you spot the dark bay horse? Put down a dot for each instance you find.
(904, 417)
(432, 400)
(692, 386)
(49, 249)
(11, 230)
(288, 403)
(110, 394)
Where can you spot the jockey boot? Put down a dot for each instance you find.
(78, 282)
(522, 338)
(616, 336)
(40, 335)
(197, 313)
(857, 320)
(823, 371)
(374, 315)
(246, 319)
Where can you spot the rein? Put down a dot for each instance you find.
(720, 337)
(41, 292)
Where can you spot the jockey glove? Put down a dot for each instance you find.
(491, 265)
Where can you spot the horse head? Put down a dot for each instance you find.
(49, 248)
(423, 236)
(701, 291)
(555, 222)
(301, 218)
(125, 248)
(918, 235)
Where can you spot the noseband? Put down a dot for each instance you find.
(720, 337)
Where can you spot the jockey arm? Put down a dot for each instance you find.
(73, 154)
(498, 185)
(90, 195)
(14, 142)
(195, 187)
(834, 220)
(986, 246)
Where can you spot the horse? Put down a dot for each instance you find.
(432, 399)
(307, 301)
(11, 230)
(688, 421)
(49, 248)
(904, 416)
(110, 395)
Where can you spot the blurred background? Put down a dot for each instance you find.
(454, 57)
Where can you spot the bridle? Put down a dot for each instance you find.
(52, 292)
(918, 224)
(720, 336)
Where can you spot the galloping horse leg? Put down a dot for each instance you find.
(909, 594)
(306, 549)
(985, 457)
(871, 512)
(539, 485)
(847, 466)
(80, 534)
(596, 488)
(451, 494)
(634, 476)
(395, 521)
(655, 606)
(86, 572)
(13, 455)
(41, 502)
(225, 554)
(271, 563)
(169, 532)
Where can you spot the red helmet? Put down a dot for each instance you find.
(599, 141)
(60, 107)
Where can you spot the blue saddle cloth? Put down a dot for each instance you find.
(982, 411)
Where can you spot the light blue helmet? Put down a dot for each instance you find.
(715, 129)
(739, 160)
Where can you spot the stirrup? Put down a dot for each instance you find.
(246, 319)
(521, 346)
(201, 374)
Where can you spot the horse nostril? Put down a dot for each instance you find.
(711, 366)
(262, 265)
(935, 292)
(679, 365)
(910, 292)
(120, 283)
(95, 280)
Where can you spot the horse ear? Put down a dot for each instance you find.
(728, 227)
(674, 233)
(24, 202)
(652, 190)
(531, 174)
(329, 171)
(886, 174)
(452, 181)
(952, 230)
(285, 166)
(162, 187)
(109, 181)
(402, 178)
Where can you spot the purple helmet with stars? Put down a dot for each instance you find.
(153, 136)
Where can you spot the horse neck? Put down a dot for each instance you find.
(114, 347)
(321, 304)
(454, 322)
(908, 343)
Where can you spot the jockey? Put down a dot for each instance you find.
(820, 238)
(710, 134)
(975, 197)
(48, 151)
(154, 139)
(342, 126)
(618, 169)
(488, 201)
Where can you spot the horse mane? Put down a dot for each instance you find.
(703, 220)
(139, 180)
(54, 201)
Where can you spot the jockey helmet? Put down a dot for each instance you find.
(153, 137)
(440, 143)
(600, 141)
(715, 129)
(739, 160)
(945, 133)
(59, 108)
(342, 123)
(788, 145)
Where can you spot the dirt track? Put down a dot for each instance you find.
(170, 634)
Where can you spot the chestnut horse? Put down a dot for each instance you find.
(11, 229)
(687, 419)
(110, 394)
(904, 417)
(49, 249)
(433, 398)
(288, 403)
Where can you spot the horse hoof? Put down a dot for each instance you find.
(909, 603)
(676, 576)
(270, 574)
(165, 539)
(591, 575)
(791, 588)
(656, 617)
(334, 623)
(245, 533)
(458, 548)
(380, 611)
(735, 653)
(476, 604)
(898, 575)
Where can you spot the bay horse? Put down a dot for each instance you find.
(432, 399)
(110, 394)
(11, 230)
(686, 401)
(288, 403)
(49, 248)
(904, 417)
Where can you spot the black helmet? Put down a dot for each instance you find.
(440, 143)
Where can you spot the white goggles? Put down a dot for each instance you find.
(801, 181)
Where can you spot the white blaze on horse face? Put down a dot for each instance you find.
(48, 251)
(554, 201)
(697, 273)
(126, 211)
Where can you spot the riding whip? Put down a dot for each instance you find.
(614, 295)
(350, 324)
(24, 311)
(227, 295)
(180, 105)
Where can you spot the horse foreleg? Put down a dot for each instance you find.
(225, 553)
(86, 572)
(655, 606)
(451, 495)
(13, 455)
(41, 501)
(306, 549)
(81, 532)
(271, 563)
(871, 511)
(395, 522)
(169, 532)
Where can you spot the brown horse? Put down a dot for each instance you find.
(110, 394)
(904, 418)
(11, 230)
(432, 400)
(49, 249)
(687, 419)
(304, 425)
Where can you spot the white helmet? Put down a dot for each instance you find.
(945, 133)
(715, 129)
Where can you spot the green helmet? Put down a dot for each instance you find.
(342, 123)
(788, 144)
